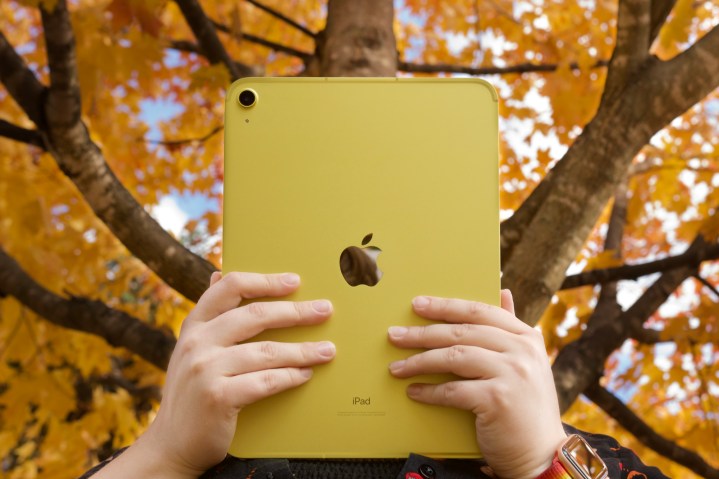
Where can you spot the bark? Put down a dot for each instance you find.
(660, 10)
(647, 435)
(358, 40)
(119, 329)
(21, 83)
(550, 228)
(632, 45)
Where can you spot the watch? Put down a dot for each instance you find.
(576, 459)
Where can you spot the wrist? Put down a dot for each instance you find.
(142, 459)
(540, 462)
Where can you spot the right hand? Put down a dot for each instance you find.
(211, 377)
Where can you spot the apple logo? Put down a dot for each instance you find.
(359, 265)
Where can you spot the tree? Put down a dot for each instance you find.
(609, 150)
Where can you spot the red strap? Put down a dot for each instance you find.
(555, 471)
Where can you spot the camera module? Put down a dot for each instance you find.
(247, 98)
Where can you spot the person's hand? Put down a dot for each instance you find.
(211, 377)
(507, 383)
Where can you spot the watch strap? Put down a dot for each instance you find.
(555, 471)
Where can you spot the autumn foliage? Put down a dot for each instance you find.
(610, 157)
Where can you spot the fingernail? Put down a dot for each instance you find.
(290, 279)
(420, 302)
(397, 365)
(321, 306)
(216, 275)
(413, 390)
(397, 331)
(326, 349)
(306, 372)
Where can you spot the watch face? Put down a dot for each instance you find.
(580, 459)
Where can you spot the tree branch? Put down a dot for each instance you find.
(83, 163)
(21, 82)
(119, 329)
(691, 257)
(175, 143)
(553, 223)
(521, 68)
(707, 285)
(23, 135)
(646, 434)
(659, 13)
(207, 36)
(647, 336)
(261, 41)
(689, 68)
(283, 18)
(63, 100)
(581, 362)
(632, 45)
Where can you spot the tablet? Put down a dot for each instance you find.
(373, 191)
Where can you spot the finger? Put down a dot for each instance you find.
(465, 361)
(463, 311)
(215, 277)
(227, 293)
(245, 322)
(436, 336)
(260, 355)
(507, 301)
(467, 395)
(249, 388)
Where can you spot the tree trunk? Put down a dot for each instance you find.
(358, 40)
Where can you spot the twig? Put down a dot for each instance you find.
(174, 143)
(521, 68)
(284, 18)
(261, 41)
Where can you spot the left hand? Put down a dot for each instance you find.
(508, 382)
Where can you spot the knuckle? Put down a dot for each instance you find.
(477, 309)
(308, 353)
(452, 392)
(269, 351)
(534, 345)
(535, 334)
(199, 364)
(460, 331)
(421, 333)
(189, 344)
(299, 310)
(499, 396)
(270, 382)
(454, 354)
(233, 279)
(215, 394)
(521, 369)
(270, 282)
(444, 305)
(258, 310)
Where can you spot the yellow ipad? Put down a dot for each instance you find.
(374, 191)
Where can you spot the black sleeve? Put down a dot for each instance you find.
(104, 463)
(621, 462)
